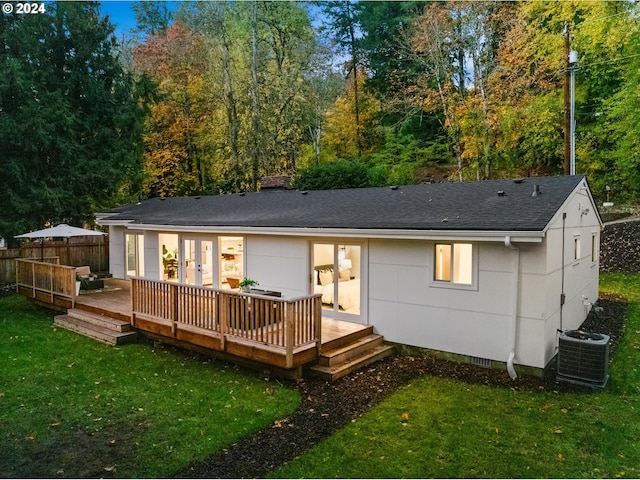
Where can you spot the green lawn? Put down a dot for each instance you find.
(445, 428)
(72, 407)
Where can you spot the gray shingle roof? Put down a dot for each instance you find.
(442, 206)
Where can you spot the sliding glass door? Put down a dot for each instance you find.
(337, 275)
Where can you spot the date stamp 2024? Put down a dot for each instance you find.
(23, 8)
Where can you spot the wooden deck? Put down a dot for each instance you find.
(115, 301)
(115, 298)
(283, 334)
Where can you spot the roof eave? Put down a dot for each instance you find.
(401, 234)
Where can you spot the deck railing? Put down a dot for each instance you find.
(43, 280)
(283, 324)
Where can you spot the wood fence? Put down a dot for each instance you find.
(47, 282)
(277, 324)
(74, 251)
(8, 265)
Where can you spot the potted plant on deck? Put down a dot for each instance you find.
(246, 284)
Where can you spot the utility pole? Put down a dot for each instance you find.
(567, 102)
(573, 59)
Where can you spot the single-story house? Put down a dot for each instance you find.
(490, 270)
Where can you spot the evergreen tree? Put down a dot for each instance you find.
(70, 118)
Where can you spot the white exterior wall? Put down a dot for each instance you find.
(406, 307)
(279, 263)
(581, 276)
(152, 256)
(117, 251)
(534, 299)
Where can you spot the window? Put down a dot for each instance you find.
(594, 248)
(169, 256)
(134, 254)
(576, 248)
(230, 262)
(454, 263)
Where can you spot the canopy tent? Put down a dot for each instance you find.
(59, 231)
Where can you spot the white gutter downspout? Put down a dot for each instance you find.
(515, 300)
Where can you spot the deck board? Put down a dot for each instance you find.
(114, 297)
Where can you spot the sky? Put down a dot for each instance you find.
(120, 13)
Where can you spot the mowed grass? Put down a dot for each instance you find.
(446, 428)
(72, 407)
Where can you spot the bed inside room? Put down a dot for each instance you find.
(338, 282)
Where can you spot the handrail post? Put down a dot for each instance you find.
(289, 333)
(134, 304)
(33, 280)
(51, 282)
(317, 317)
(221, 317)
(74, 296)
(17, 275)
(174, 296)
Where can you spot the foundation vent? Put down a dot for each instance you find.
(480, 362)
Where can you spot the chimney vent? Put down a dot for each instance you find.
(275, 182)
(536, 190)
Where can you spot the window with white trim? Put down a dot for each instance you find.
(454, 263)
(594, 248)
(576, 248)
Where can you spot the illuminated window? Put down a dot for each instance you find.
(135, 254)
(454, 263)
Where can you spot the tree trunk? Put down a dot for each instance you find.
(255, 106)
(354, 66)
(232, 112)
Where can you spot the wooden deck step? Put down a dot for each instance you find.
(357, 347)
(334, 372)
(100, 320)
(101, 329)
(346, 339)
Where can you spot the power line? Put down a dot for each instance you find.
(587, 20)
(587, 65)
(608, 61)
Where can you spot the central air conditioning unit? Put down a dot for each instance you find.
(583, 358)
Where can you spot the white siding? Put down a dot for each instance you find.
(279, 263)
(406, 308)
(580, 276)
(152, 256)
(116, 251)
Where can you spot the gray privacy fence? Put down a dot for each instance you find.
(74, 251)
